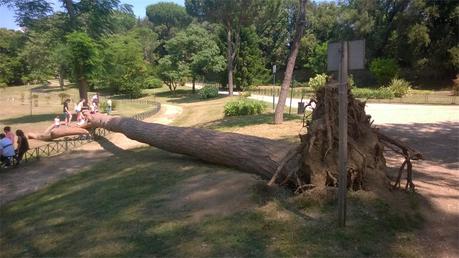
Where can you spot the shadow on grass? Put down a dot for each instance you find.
(30, 119)
(122, 207)
(184, 96)
(241, 121)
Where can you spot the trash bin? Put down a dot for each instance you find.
(301, 108)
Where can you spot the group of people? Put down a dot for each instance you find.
(81, 106)
(8, 152)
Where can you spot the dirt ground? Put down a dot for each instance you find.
(437, 181)
(436, 178)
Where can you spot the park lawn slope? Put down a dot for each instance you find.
(162, 204)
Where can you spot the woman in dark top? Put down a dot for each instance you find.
(23, 145)
(67, 112)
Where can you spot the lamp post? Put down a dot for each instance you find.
(274, 83)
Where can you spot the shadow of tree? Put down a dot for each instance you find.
(439, 142)
(122, 207)
(30, 119)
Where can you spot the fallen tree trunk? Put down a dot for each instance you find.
(309, 164)
(62, 131)
(248, 153)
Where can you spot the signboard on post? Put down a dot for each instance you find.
(356, 55)
(342, 57)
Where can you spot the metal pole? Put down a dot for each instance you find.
(31, 102)
(274, 83)
(342, 183)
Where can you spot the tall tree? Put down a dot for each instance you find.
(123, 66)
(295, 45)
(196, 48)
(232, 15)
(249, 64)
(168, 16)
(83, 59)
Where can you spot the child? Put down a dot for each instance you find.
(57, 122)
(81, 120)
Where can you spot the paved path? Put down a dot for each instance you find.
(394, 113)
(31, 177)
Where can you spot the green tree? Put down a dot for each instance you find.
(149, 41)
(37, 56)
(196, 48)
(173, 71)
(167, 17)
(123, 67)
(84, 57)
(12, 68)
(249, 66)
(232, 15)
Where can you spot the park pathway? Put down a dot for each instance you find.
(31, 177)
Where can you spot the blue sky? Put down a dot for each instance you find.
(7, 15)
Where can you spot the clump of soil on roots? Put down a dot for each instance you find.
(315, 160)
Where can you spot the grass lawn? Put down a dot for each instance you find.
(150, 203)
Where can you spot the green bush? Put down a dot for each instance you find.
(384, 69)
(208, 92)
(350, 82)
(365, 93)
(244, 107)
(399, 87)
(153, 83)
(317, 81)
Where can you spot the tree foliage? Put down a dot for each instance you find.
(123, 67)
(197, 50)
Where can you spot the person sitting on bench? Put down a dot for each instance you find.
(6, 150)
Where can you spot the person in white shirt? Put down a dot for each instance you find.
(109, 106)
(57, 122)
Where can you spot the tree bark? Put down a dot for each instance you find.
(62, 131)
(248, 153)
(61, 80)
(193, 81)
(83, 87)
(299, 29)
(71, 12)
(229, 56)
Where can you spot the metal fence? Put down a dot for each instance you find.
(409, 99)
(69, 143)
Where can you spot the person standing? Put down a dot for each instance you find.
(23, 146)
(67, 112)
(95, 100)
(79, 108)
(109, 106)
